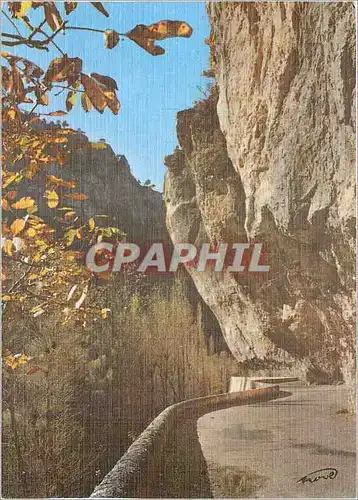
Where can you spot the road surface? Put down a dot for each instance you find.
(263, 450)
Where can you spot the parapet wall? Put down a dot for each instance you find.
(142, 472)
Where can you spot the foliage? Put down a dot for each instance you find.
(41, 268)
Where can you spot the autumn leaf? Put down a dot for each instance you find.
(112, 102)
(10, 178)
(57, 113)
(22, 359)
(70, 100)
(17, 226)
(111, 39)
(11, 114)
(100, 8)
(91, 224)
(94, 93)
(52, 16)
(77, 196)
(86, 103)
(69, 236)
(69, 215)
(70, 6)
(31, 233)
(62, 69)
(5, 204)
(8, 247)
(18, 10)
(52, 199)
(170, 29)
(24, 203)
(60, 182)
(32, 210)
(100, 92)
(104, 312)
(106, 82)
(145, 36)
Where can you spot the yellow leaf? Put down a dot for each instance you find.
(104, 313)
(86, 103)
(42, 245)
(70, 100)
(52, 199)
(19, 9)
(9, 180)
(11, 114)
(70, 256)
(23, 203)
(5, 298)
(4, 204)
(70, 236)
(17, 226)
(91, 224)
(31, 232)
(32, 210)
(8, 247)
(22, 360)
(69, 215)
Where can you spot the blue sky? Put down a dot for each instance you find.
(151, 89)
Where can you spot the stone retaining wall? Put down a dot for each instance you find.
(143, 471)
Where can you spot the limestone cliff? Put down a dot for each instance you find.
(112, 190)
(270, 157)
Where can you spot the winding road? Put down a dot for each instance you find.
(274, 449)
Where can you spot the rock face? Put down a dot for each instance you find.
(270, 157)
(112, 190)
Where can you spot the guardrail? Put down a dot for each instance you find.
(140, 470)
(244, 383)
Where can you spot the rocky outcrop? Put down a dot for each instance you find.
(112, 190)
(269, 157)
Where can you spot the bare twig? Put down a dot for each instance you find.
(12, 22)
(84, 29)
